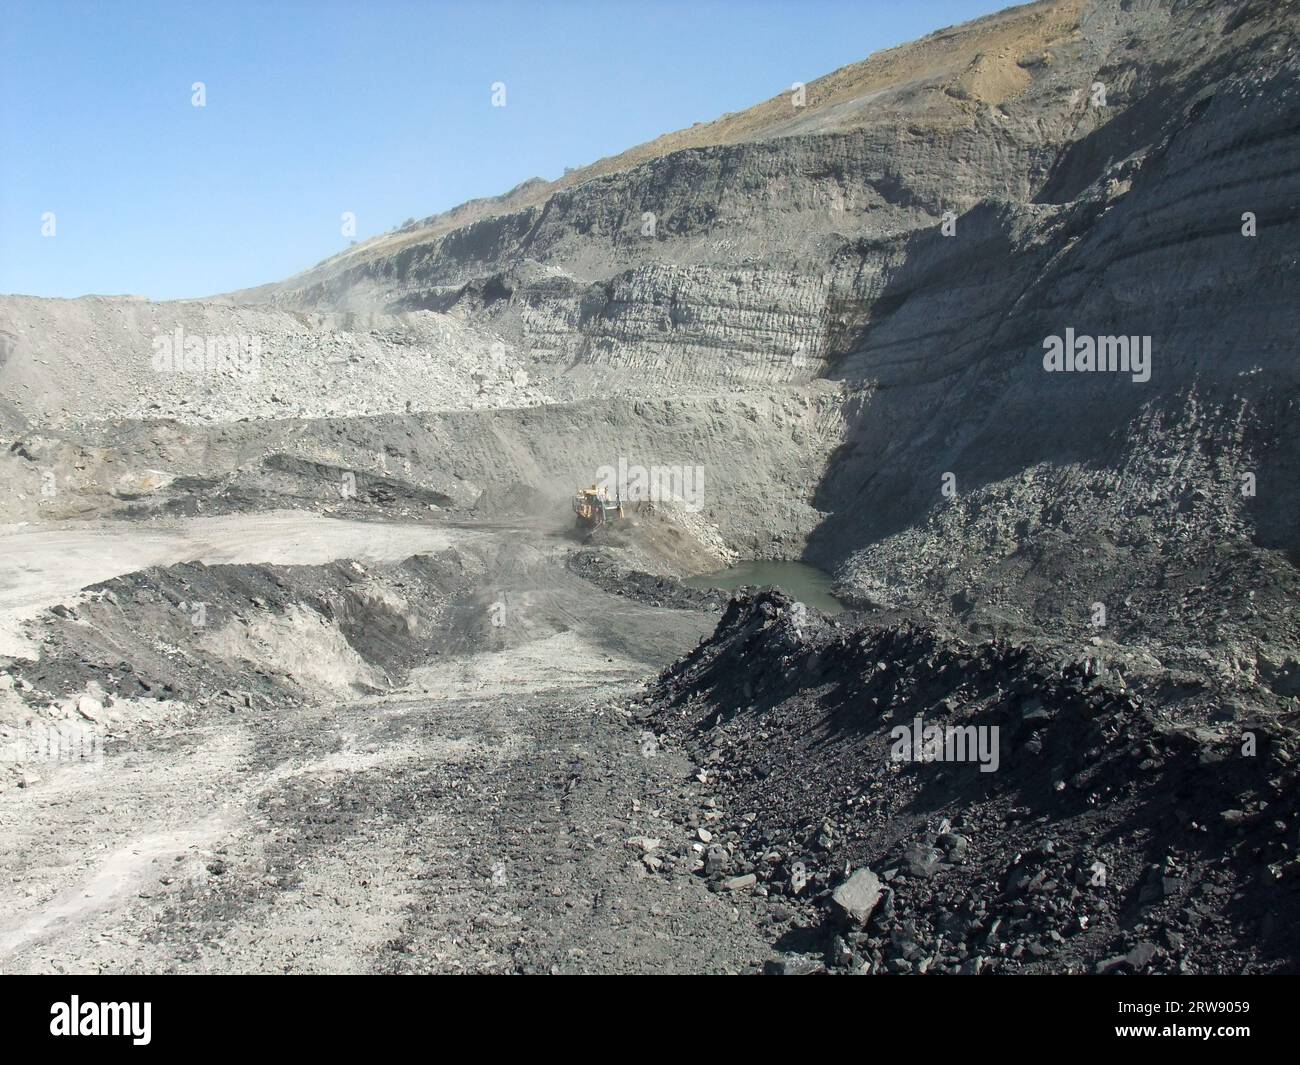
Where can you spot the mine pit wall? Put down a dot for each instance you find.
(716, 205)
(820, 255)
(759, 270)
(957, 383)
(761, 454)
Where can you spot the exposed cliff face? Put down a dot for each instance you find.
(1201, 455)
(1033, 113)
(935, 85)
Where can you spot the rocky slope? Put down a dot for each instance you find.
(71, 363)
(1107, 836)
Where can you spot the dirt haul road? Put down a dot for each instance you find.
(498, 812)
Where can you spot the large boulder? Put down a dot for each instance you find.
(857, 897)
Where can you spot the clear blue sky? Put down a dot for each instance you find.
(381, 108)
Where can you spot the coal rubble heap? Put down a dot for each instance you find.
(606, 572)
(1112, 836)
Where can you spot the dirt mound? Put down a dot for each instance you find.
(279, 632)
(1059, 820)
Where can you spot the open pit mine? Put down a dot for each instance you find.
(857, 535)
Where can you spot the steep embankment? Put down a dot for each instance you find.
(932, 87)
(746, 458)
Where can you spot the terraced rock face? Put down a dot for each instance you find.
(807, 228)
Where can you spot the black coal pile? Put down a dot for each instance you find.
(605, 571)
(904, 802)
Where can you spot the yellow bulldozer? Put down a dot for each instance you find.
(594, 507)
